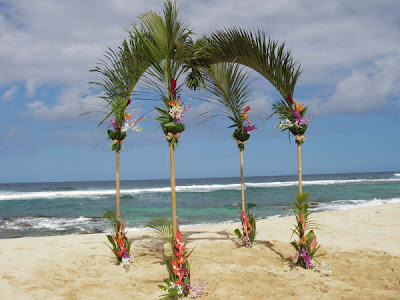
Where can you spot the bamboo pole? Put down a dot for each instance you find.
(299, 168)
(117, 197)
(242, 179)
(173, 194)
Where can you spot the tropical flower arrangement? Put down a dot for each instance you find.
(121, 246)
(244, 127)
(306, 246)
(248, 233)
(178, 284)
(172, 114)
(292, 117)
(121, 127)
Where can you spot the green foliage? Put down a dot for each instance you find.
(117, 232)
(255, 50)
(164, 228)
(306, 240)
(119, 72)
(251, 223)
(228, 85)
(284, 110)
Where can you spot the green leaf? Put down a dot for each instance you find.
(294, 244)
(238, 233)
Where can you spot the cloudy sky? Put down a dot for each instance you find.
(349, 52)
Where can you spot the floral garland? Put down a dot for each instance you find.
(293, 118)
(306, 246)
(172, 116)
(244, 127)
(122, 127)
(121, 246)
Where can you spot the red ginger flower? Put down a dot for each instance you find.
(173, 86)
(313, 242)
(290, 99)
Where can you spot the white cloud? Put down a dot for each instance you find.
(339, 44)
(70, 105)
(9, 93)
(365, 89)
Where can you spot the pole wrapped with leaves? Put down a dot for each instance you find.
(120, 71)
(306, 246)
(229, 88)
(164, 44)
(293, 119)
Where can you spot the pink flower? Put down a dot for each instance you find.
(313, 242)
(249, 128)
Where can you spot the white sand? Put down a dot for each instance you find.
(362, 261)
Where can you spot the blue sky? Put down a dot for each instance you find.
(349, 52)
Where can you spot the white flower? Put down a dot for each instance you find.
(131, 125)
(286, 124)
(126, 261)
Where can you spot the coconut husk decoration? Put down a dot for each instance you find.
(172, 131)
(241, 136)
(117, 137)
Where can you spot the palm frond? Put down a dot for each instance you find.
(254, 50)
(228, 85)
(164, 228)
(165, 42)
(119, 71)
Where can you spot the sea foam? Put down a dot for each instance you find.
(102, 193)
(351, 204)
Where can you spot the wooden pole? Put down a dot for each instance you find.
(299, 168)
(242, 179)
(173, 194)
(117, 183)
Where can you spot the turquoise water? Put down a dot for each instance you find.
(37, 209)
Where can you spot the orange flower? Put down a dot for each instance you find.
(299, 106)
(174, 102)
(127, 115)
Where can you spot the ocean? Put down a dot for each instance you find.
(56, 208)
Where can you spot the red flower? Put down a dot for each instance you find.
(247, 108)
(173, 86)
(290, 99)
(129, 102)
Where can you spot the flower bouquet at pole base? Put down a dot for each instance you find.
(292, 117)
(178, 284)
(244, 127)
(171, 116)
(306, 246)
(121, 246)
(248, 231)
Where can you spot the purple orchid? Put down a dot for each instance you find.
(307, 258)
(114, 124)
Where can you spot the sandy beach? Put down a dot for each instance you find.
(362, 261)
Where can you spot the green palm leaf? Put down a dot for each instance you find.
(228, 84)
(254, 50)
